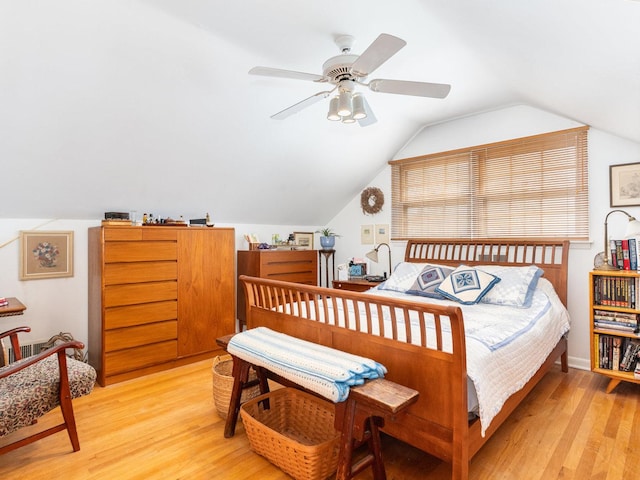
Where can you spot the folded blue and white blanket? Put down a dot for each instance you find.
(323, 370)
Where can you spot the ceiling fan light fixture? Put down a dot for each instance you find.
(345, 104)
(346, 73)
(333, 110)
(348, 119)
(359, 112)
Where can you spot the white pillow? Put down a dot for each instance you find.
(467, 285)
(516, 286)
(403, 277)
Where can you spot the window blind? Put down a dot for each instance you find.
(528, 187)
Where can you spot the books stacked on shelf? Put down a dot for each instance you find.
(612, 291)
(623, 321)
(617, 353)
(625, 254)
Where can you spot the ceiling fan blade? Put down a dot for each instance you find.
(370, 119)
(277, 72)
(403, 87)
(381, 50)
(287, 112)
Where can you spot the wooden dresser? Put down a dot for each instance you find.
(299, 266)
(158, 297)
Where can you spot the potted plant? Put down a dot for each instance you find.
(327, 238)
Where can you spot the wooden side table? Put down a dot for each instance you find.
(355, 284)
(15, 307)
(328, 259)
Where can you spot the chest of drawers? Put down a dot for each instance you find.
(158, 297)
(299, 266)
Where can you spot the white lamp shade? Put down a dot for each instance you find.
(359, 111)
(345, 105)
(633, 228)
(372, 255)
(333, 110)
(348, 119)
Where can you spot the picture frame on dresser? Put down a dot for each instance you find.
(46, 254)
(303, 240)
(624, 185)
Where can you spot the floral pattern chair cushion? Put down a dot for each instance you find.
(30, 393)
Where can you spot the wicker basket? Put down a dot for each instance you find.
(296, 433)
(223, 384)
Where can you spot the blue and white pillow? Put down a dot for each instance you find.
(403, 277)
(516, 287)
(428, 280)
(467, 285)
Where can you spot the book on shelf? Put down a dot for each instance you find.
(616, 344)
(629, 360)
(616, 316)
(633, 254)
(624, 321)
(624, 254)
(615, 291)
(626, 262)
(616, 353)
(616, 326)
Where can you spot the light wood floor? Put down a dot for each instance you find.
(164, 426)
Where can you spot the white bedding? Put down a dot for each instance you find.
(505, 345)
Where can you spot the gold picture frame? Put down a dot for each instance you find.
(303, 240)
(46, 254)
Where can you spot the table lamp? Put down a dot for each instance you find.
(633, 228)
(373, 256)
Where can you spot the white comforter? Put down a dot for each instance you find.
(505, 345)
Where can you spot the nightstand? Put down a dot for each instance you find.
(355, 284)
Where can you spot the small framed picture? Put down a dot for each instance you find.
(304, 240)
(382, 233)
(366, 234)
(624, 184)
(46, 254)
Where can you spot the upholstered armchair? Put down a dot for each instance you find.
(33, 386)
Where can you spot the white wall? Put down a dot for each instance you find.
(60, 304)
(53, 305)
(56, 305)
(512, 122)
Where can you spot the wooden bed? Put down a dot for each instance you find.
(438, 423)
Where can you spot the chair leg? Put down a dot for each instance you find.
(65, 403)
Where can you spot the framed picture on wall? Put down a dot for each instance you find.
(624, 184)
(366, 234)
(46, 254)
(382, 233)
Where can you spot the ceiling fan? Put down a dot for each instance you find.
(345, 72)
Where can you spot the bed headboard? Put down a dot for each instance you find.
(550, 255)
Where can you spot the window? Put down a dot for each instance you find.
(528, 187)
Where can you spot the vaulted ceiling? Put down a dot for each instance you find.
(147, 105)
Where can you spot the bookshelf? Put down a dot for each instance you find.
(614, 298)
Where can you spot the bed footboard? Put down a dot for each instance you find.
(426, 353)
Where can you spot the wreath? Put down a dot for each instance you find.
(371, 200)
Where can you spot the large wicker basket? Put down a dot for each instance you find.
(223, 384)
(296, 433)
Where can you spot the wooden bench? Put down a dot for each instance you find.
(358, 418)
